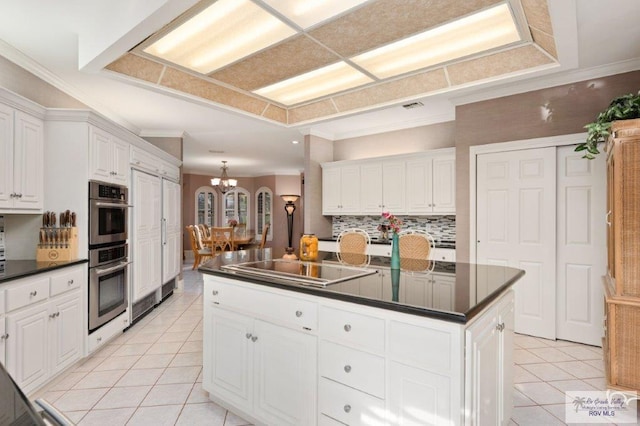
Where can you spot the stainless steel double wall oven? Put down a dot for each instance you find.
(108, 252)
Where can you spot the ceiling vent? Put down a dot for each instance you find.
(413, 105)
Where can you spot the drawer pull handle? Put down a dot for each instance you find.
(500, 327)
(347, 369)
(4, 336)
(248, 335)
(347, 408)
(298, 314)
(70, 282)
(254, 338)
(33, 293)
(52, 315)
(99, 339)
(347, 327)
(214, 292)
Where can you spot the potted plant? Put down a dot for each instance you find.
(622, 108)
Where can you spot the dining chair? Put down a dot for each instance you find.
(263, 240)
(199, 251)
(222, 238)
(352, 247)
(204, 231)
(415, 244)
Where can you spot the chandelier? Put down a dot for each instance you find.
(223, 183)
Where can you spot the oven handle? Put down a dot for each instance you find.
(103, 204)
(120, 265)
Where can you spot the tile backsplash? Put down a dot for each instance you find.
(440, 227)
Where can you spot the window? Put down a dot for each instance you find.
(205, 206)
(264, 206)
(236, 206)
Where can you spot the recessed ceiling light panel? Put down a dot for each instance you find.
(482, 31)
(321, 82)
(223, 33)
(307, 13)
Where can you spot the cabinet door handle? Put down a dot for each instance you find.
(606, 218)
(347, 327)
(298, 314)
(347, 408)
(70, 282)
(4, 336)
(248, 335)
(254, 338)
(500, 326)
(347, 369)
(214, 292)
(33, 293)
(99, 339)
(52, 315)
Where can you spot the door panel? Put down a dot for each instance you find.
(581, 246)
(516, 205)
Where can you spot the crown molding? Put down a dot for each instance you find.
(21, 103)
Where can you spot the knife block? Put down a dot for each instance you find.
(61, 252)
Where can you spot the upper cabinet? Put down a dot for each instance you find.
(340, 189)
(431, 182)
(108, 157)
(146, 161)
(416, 184)
(21, 161)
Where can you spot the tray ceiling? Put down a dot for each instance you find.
(315, 66)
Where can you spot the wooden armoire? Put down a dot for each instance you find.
(621, 344)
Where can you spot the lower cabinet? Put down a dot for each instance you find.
(265, 370)
(489, 384)
(280, 357)
(43, 340)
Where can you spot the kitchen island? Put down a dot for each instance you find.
(429, 344)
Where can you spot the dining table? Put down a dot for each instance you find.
(241, 238)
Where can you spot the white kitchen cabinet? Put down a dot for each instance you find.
(22, 161)
(66, 336)
(489, 356)
(28, 346)
(262, 369)
(108, 157)
(341, 190)
(431, 185)
(44, 331)
(382, 187)
(3, 341)
(146, 255)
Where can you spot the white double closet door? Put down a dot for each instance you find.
(542, 210)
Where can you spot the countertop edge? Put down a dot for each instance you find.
(52, 266)
(360, 300)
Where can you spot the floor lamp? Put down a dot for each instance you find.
(290, 207)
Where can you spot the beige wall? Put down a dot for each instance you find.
(417, 139)
(171, 145)
(317, 150)
(526, 116)
(22, 82)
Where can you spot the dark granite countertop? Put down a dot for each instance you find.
(449, 291)
(15, 269)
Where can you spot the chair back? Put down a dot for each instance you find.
(353, 241)
(265, 231)
(240, 230)
(193, 238)
(204, 231)
(415, 244)
(198, 236)
(222, 238)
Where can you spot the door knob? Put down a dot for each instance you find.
(254, 338)
(298, 314)
(347, 368)
(347, 327)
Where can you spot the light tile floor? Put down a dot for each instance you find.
(152, 374)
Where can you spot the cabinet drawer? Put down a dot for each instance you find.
(354, 329)
(65, 281)
(446, 255)
(291, 311)
(328, 421)
(144, 160)
(31, 291)
(351, 367)
(349, 405)
(425, 347)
